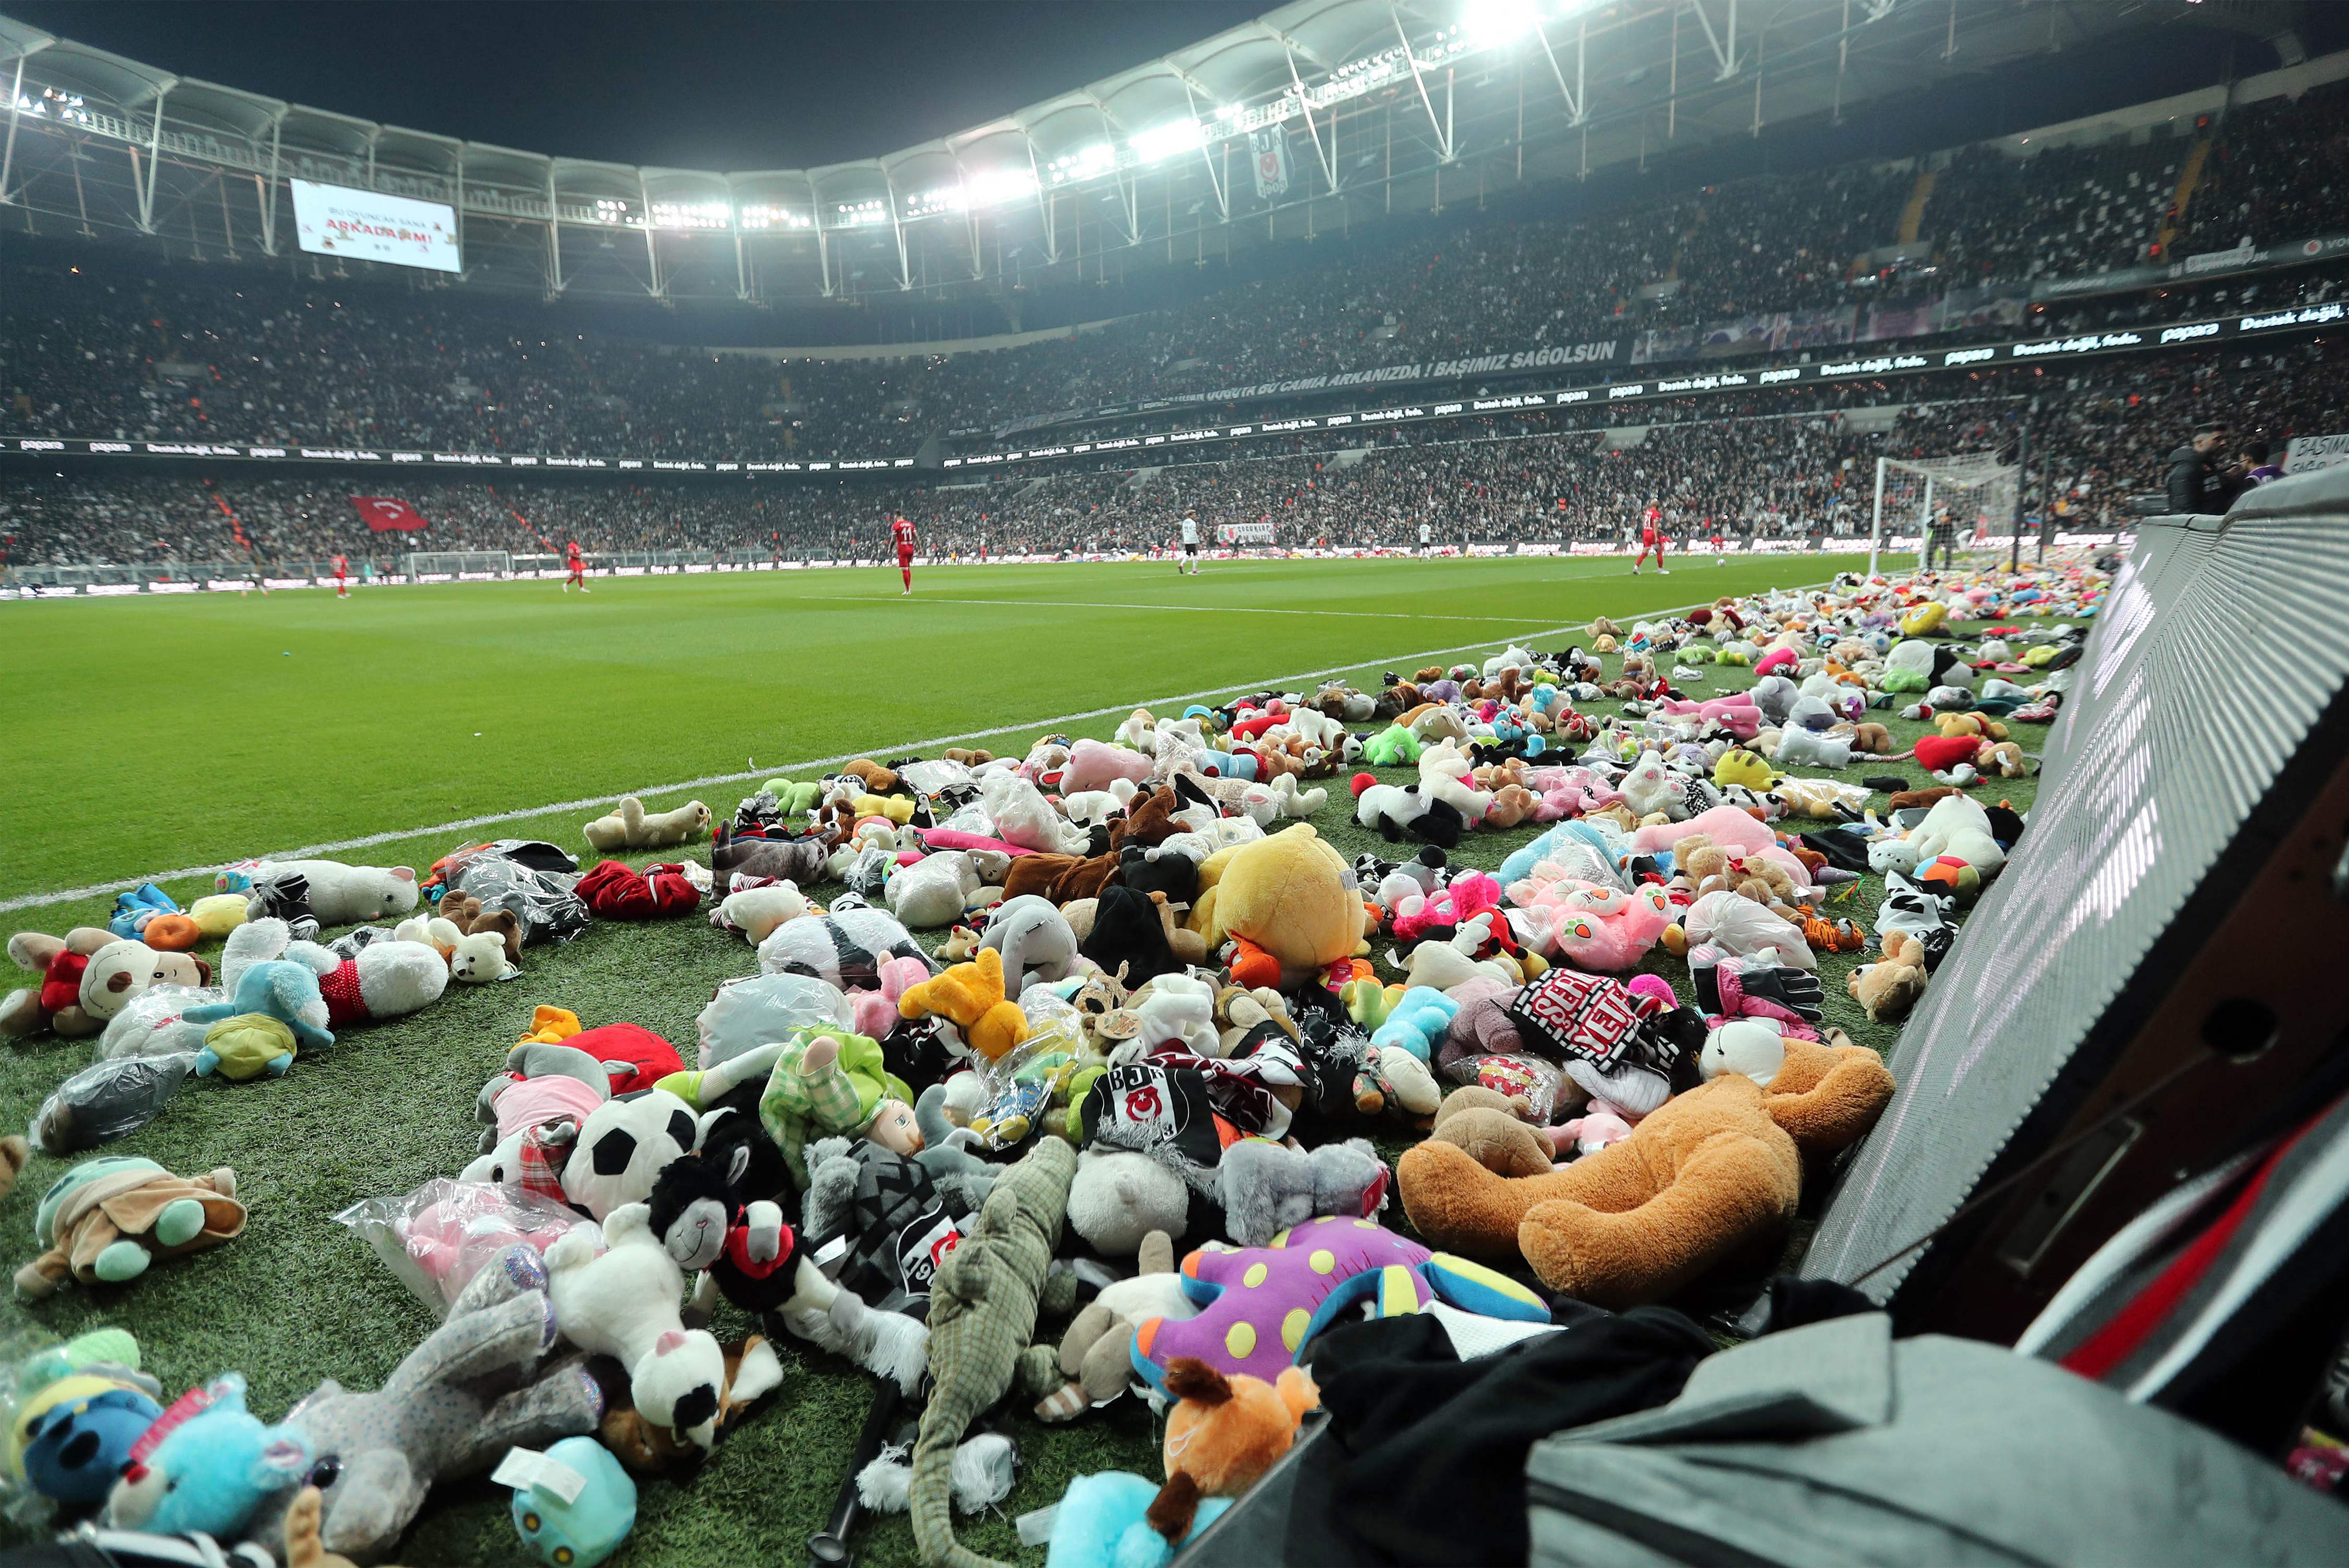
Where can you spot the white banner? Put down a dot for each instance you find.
(367, 226)
(2306, 454)
(1268, 151)
(1244, 532)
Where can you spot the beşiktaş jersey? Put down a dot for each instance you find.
(900, 1230)
(1423, 533)
(1190, 530)
(1151, 1108)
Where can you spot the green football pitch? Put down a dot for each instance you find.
(156, 734)
(149, 735)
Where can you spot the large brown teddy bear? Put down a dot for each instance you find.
(1712, 1176)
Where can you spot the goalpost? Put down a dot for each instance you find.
(419, 563)
(1974, 487)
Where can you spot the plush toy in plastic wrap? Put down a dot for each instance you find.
(106, 1101)
(573, 1505)
(153, 1023)
(72, 1412)
(437, 1237)
(759, 1009)
(543, 901)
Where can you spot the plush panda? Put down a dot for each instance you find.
(623, 1145)
(845, 948)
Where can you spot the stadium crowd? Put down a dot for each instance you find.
(245, 356)
(1766, 464)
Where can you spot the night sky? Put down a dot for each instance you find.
(691, 86)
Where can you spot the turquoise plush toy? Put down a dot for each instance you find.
(573, 1504)
(284, 990)
(1103, 1522)
(1417, 1021)
(206, 1465)
(1393, 747)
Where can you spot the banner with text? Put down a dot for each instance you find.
(2306, 454)
(368, 226)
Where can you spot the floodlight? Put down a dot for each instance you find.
(1176, 136)
(993, 187)
(1491, 23)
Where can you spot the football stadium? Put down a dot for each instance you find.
(1100, 786)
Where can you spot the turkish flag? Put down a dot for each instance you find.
(386, 515)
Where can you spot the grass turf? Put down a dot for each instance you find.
(295, 1299)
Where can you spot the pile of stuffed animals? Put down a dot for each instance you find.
(1085, 1001)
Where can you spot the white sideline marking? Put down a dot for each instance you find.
(1188, 609)
(466, 824)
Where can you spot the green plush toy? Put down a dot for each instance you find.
(1368, 1003)
(1903, 680)
(246, 1046)
(839, 1090)
(797, 800)
(1393, 747)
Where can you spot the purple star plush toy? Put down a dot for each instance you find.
(1263, 1303)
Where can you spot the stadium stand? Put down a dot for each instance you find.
(1772, 466)
(135, 353)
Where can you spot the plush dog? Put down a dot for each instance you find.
(54, 1005)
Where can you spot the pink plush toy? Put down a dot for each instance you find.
(1601, 929)
(1736, 714)
(877, 1011)
(1092, 764)
(1776, 659)
(1461, 900)
(956, 839)
(451, 1238)
(1578, 789)
(1600, 1125)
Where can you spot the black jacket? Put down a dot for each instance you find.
(2191, 488)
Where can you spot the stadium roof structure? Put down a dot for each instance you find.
(1317, 115)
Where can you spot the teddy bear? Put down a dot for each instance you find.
(1709, 867)
(1096, 1352)
(107, 1218)
(54, 1005)
(631, 827)
(1889, 988)
(1268, 1187)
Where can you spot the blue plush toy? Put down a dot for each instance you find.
(134, 909)
(574, 1504)
(80, 1408)
(207, 1464)
(1225, 765)
(1102, 1522)
(285, 991)
(1417, 1021)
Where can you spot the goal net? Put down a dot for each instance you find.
(1971, 493)
(423, 565)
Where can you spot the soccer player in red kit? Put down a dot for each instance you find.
(342, 577)
(901, 534)
(1651, 537)
(579, 565)
(1719, 558)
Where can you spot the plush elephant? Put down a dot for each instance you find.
(1035, 940)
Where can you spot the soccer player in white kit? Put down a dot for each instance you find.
(1426, 537)
(1190, 561)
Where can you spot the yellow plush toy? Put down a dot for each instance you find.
(1739, 766)
(896, 808)
(1974, 724)
(1924, 618)
(218, 913)
(970, 997)
(1290, 902)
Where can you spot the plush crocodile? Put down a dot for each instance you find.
(982, 1316)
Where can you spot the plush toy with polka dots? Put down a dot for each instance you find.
(1260, 1305)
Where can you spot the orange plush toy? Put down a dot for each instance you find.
(1711, 1177)
(1224, 1435)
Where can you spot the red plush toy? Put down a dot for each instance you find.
(614, 893)
(633, 1058)
(1943, 752)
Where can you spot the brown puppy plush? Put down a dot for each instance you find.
(464, 911)
(1711, 1177)
(1063, 879)
(1490, 1127)
(1223, 1436)
(877, 779)
(1148, 821)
